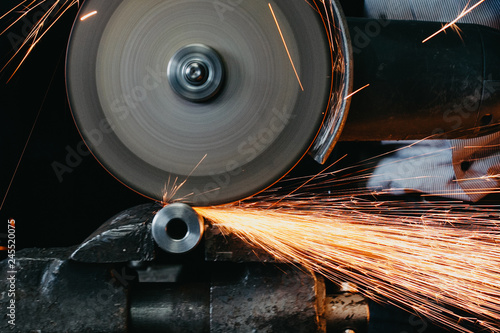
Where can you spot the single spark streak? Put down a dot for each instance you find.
(480, 147)
(27, 142)
(286, 47)
(86, 16)
(464, 12)
(194, 169)
(357, 91)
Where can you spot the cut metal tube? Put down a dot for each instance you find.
(177, 228)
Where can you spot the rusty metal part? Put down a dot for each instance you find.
(347, 311)
(55, 294)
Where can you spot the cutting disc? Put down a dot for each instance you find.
(205, 102)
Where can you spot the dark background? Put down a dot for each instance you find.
(50, 212)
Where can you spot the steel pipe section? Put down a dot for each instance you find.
(177, 228)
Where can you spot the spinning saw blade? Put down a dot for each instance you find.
(221, 97)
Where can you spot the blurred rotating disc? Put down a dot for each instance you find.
(198, 93)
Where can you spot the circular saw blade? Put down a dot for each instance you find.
(268, 106)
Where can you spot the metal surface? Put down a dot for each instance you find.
(265, 298)
(124, 237)
(177, 228)
(450, 84)
(55, 294)
(170, 308)
(233, 298)
(248, 136)
(342, 82)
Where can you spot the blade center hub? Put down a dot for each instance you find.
(196, 73)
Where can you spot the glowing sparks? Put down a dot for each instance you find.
(286, 47)
(440, 259)
(169, 191)
(429, 262)
(49, 16)
(357, 91)
(86, 16)
(464, 12)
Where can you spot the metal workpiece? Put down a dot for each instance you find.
(128, 237)
(124, 237)
(56, 294)
(177, 228)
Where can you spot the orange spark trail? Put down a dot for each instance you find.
(422, 262)
(40, 28)
(286, 47)
(86, 16)
(464, 12)
(357, 91)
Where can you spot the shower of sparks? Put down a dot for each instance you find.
(464, 12)
(428, 258)
(56, 9)
(286, 47)
(439, 259)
